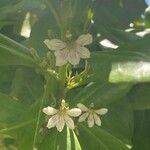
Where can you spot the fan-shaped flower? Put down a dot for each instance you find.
(70, 52)
(91, 115)
(60, 117)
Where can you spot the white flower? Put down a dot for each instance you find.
(60, 117)
(91, 114)
(70, 52)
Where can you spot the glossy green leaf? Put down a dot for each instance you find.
(101, 94)
(139, 96)
(120, 66)
(101, 138)
(141, 136)
(130, 72)
(13, 53)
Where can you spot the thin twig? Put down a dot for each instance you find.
(40, 113)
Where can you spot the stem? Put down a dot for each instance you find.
(45, 95)
(62, 76)
(53, 11)
(86, 26)
(5, 130)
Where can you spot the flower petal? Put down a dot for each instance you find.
(101, 111)
(52, 121)
(82, 107)
(83, 117)
(55, 44)
(91, 120)
(84, 39)
(73, 57)
(60, 123)
(50, 110)
(97, 119)
(83, 52)
(61, 57)
(69, 122)
(74, 112)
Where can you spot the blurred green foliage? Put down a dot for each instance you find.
(118, 78)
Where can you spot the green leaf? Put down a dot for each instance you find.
(130, 72)
(13, 53)
(27, 85)
(6, 77)
(110, 96)
(27, 127)
(116, 66)
(139, 96)
(141, 136)
(66, 140)
(115, 123)
(17, 120)
(99, 139)
(100, 94)
(11, 110)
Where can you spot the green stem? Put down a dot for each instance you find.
(62, 76)
(45, 96)
(5, 130)
(53, 11)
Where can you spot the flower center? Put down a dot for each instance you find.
(63, 108)
(71, 46)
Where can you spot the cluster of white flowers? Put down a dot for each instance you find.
(91, 114)
(63, 115)
(70, 52)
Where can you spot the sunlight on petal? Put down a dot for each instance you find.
(108, 44)
(83, 117)
(129, 146)
(129, 30)
(82, 107)
(50, 110)
(69, 122)
(74, 112)
(97, 120)
(52, 121)
(91, 121)
(130, 71)
(143, 33)
(60, 124)
(26, 27)
(55, 44)
(101, 111)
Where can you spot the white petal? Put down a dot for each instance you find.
(52, 121)
(97, 119)
(60, 123)
(55, 44)
(73, 57)
(84, 39)
(61, 57)
(91, 120)
(50, 110)
(82, 107)
(83, 117)
(74, 112)
(69, 122)
(83, 52)
(101, 111)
